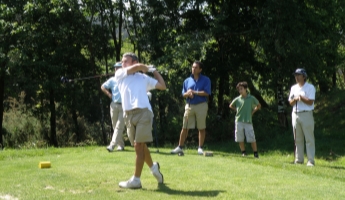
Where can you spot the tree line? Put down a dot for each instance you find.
(261, 42)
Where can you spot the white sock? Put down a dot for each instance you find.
(134, 178)
(152, 168)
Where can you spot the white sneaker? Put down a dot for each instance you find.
(110, 148)
(130, 184)
(176, 150)
(119, 148)
(310, 164)
(200, 151)
(156, 173)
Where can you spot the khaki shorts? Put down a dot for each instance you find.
(195, 113)
(139, 125)
(244, 129)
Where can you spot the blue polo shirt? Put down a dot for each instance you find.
(115, 93)
(202, 84)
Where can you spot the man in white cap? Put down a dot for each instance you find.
(116, 111)
(302, 97)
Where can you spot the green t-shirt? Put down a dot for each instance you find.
(244, 107)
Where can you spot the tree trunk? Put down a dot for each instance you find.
(334, 79)
(53, 138)
(282, 118)
(281, 105)
(2, 83)
(76, 125)
(257, 94)
(220, 95)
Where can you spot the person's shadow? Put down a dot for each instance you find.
(205, 193)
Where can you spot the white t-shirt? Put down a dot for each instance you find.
(133, 89)
(307, 90)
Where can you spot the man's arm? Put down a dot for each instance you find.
(105, 91)
(188, 94)
(257, 107)
(136, 68)
(232, 107)
(161, 83)
(301, 98)
(200, 93)
(306, 100)
(207, 90)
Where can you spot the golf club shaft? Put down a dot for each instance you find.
(294, 137)
(91, 77)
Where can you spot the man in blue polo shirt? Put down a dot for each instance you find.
(116, 112)
(196, 90)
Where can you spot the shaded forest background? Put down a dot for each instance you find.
(258, 41)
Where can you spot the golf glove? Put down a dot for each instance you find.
(151, 68)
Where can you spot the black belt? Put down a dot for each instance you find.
(304, 111)
(198, 103)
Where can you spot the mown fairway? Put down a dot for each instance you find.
(93, 173)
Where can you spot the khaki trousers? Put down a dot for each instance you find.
(303, 123)
(118, 123)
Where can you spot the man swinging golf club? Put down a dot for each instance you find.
(303, 94)
(138, 113)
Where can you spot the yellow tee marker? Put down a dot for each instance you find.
(45, 164)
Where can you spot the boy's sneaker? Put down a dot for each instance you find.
(256, 155)
(156, 173)
(110, 148)
(176, 150)
(130, 184)
(119, 148)
(244, 154)
(200, 151)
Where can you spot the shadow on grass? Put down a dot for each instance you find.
(205, 193)
(332, 167)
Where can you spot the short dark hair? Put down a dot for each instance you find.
(132, 55)
(243, 84)
(201, 65)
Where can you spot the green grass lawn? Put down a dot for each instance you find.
(93, 173)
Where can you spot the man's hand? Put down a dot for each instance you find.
(190, 94)
(298, 98)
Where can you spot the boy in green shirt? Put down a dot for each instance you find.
(245, 106)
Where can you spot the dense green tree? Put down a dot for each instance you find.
(261, 42)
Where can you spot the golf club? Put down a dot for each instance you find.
(66, 80)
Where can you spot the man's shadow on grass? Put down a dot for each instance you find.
(205, 193)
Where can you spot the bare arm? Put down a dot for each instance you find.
(200, 93)
(257, 107)
(188, 94)
(136, 68)
(301, 98)
(232, 107)
(161, 83)
(105, 91)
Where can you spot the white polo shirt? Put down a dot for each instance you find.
(307, 90)
(133, 89)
